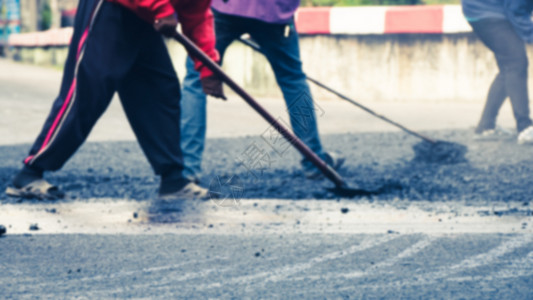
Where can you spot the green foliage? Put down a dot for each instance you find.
(3, 10)
(46, 16)
(442, 1)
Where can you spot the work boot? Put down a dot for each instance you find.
(332, 159)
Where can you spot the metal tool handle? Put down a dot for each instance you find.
(196, 52)
(327, 88)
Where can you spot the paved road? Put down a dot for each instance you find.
(96, 248)
(284, 266)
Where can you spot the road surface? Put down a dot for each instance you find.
(460, 231)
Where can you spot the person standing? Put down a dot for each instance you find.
(271, 25)
(117, 47)
(504, 26)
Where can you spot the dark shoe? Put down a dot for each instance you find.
(332, 159)
(196, 180)
(178, 201)
(191, 191)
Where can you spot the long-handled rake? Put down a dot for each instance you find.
(341, 187)
(432, 151)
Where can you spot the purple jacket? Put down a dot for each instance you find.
(270, 11)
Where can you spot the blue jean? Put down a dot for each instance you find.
(283, 53)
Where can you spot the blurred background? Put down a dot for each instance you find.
(30, 15)
(375, 50)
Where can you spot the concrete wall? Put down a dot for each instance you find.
(46, 56)
(390, 67)
(401, 67)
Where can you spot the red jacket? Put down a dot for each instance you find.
(194, 16)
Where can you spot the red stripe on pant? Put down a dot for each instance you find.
(65, 105)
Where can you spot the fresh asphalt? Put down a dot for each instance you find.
(459, 231)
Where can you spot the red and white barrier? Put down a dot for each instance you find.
(324, 20)
(52, 37)
(382, 20)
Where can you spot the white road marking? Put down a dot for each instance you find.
(488, 257)
(522, 267)
(480, 260)
(279, 274)
(141, 272)
(169, 280)
(409, 252)
(165, 282)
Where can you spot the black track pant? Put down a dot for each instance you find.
(112, 50)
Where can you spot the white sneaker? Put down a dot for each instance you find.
(526, 136)
(497, 133)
